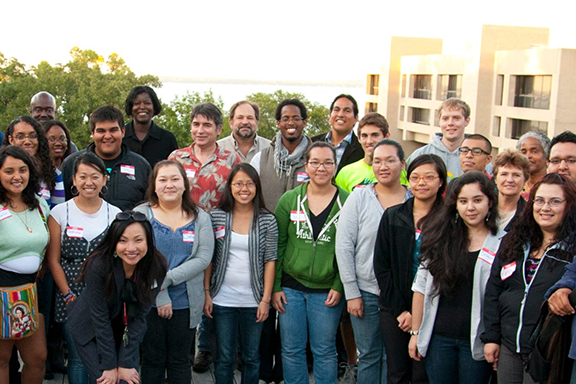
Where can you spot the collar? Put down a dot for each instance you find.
(347, 139)
(122, 155)
(154, 131)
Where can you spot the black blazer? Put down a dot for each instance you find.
(90, 319)
(352, 153)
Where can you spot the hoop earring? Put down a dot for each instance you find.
(74, 190)
(104, 191)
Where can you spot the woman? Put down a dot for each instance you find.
(23, 239)
(76, 228)
(355, 240)
(532, 259)
(242, 273)
(307, 286)
(511, 170)
(458, 248)
(396, 260)
(58, 137)
(108, 321)
(183, 234)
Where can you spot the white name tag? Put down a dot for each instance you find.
(188, 236)
(220, 232)
(127, 170)
(418, 233)
(302, 177)
(190, 173)
(75, 232)
(44, 192)
(507, 270)
(487, 256)
(297, 216)
(5, 213)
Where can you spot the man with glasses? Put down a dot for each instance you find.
(475, 153)
(563, 155)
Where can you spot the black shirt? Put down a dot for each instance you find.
(156, 146)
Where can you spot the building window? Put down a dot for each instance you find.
(449, 86)
(403, 91)
(499, 95)
(496, 126)
(401, 113)
(422, 85)
(520, 127)
(420, 116)
(372, 85)
(533, 92)
(371, 107)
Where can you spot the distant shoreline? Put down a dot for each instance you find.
(206, 80)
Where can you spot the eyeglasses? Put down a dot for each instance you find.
(427, 178)
(136, 216)
(53, 139)
(248, 185)
(475, 151)
(295, 119)
(316, 164)
(569, 161)
(21, 137)
(389, 163)
(553, 203)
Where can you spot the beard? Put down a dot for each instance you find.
(244, 133)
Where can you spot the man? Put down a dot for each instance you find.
(563, 155)
(343, 117)
(244, 141)
(143, 136)
(536, 147)
(475, 153)
(207, 164)
(43, 107)
(127, 171)
(454, 115)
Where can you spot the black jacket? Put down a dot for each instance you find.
(393, 258)
(352, 153)
(158, 145)
(124, 189)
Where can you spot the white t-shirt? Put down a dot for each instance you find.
(83, 224)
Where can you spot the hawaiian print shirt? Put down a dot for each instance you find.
(207, 180)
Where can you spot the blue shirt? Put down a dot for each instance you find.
(341, 147)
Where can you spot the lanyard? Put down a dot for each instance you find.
(125, 338)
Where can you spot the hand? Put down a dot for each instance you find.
(278, 299)
(42, 271)
(413, 348)
(262, 312)
(405, 321)
(356, 307)
(208, 305)
(559, 302)
(108, 377)
(333, 298)
(165, 311)
(129, 375)
(491, 353)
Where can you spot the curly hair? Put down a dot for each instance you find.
(29, 193)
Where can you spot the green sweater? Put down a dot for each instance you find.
(311, 263)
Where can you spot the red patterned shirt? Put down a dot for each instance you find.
(207, 180)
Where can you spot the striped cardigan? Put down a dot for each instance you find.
(262, 248)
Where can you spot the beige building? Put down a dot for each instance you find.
(511, 80)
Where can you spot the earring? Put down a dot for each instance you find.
(104, 190)
(115, 255)
(456, 217)
(74, 190)
(488, 216)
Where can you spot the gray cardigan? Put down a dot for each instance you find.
(192, 270)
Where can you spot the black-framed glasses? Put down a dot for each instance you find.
(21, 137)
(136, 216)
(53, 139)
(476, 151)
(316, 164)
(295, 119)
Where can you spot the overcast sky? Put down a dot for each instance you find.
(288, 40)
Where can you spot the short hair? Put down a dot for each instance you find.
(188, 205)
(29, 193)
(227, 201)
(455, 103)
(295, 102)
(319, 144)
(376, 119)
(250, 103)
(393, 143)
(564, 137)
(477, 136)
(542, 138)
(129, 103)
(513, 158)
(209, 111)
(40, 94)
(106, 113)
(51, 123)
(349, 97)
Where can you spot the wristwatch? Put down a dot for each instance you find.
(412, 332)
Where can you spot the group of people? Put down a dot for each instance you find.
(280, 256)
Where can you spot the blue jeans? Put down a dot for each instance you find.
(76, 372)
(449, 361)
(206, 334)
(229, 324)
(372, 357)
(307, 313)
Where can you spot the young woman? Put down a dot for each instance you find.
(396, 260)
(307, 285)
(108, 321)
(76, 228)
(242, 273)
(183, 234)
(58, 137)
(23, 239)
(355, 240)
(458, 248)
(532, 259)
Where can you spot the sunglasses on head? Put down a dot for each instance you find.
(136, 216)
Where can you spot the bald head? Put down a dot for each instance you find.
(43, 107)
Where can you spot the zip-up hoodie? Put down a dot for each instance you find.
(436, 147)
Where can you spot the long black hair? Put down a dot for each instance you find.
(438, 163)
(29, 193)
(151, 269)
(445, 241)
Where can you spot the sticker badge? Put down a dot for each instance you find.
(44, 192)
(190, 173)
(75, 232)
(302, 177)
(487, 255)
(297, 216)
(418, 233)
(507, 270)
(127, 170)
(188, 236)
(5, 213)
(220, 232)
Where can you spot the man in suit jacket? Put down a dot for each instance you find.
(343, 117)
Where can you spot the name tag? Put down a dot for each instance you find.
(507, 270)
(418, 233)
(487, 255)
(190, 173)
(44, 192)
(75, 232)
(220, 232)
(188, 236)
(359, 186)
(127, 170)
(5, 213)
(302, 177)
(297, 216)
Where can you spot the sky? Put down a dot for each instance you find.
(306, 40)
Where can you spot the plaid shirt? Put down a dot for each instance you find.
(341, 147)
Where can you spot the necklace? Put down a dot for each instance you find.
(25, 223)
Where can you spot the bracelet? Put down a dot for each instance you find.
(206, 290)
(69, 297)
(414, 333)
